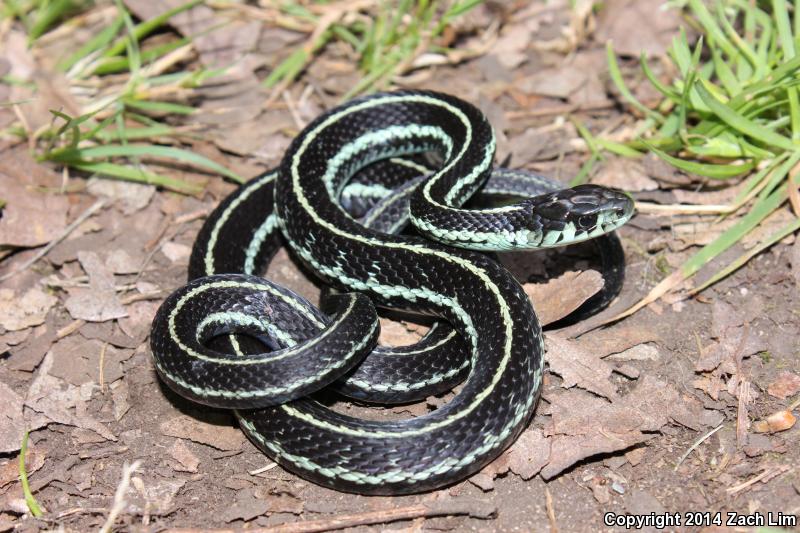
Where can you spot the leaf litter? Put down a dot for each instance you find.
(614, 399)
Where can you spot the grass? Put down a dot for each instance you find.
(33, 505)
(134, 87)
(385, 40)
(731, 113)
(124, 121)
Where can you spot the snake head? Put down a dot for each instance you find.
(577, 214)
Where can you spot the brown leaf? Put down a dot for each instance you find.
(12, 421)
(78, 361)
(578, 366)
(62, 402)
(785, 385)
(119, 396)
(245, 507)
(637, 26)
(130, 197)
(217, 436)
(21, 312)
(395, 333)
(780, 421)
(584, 425)
(525, 458)
(156, 496)
(187, 461)
(539, 144)
(627, 174)
(562, 295)
(618, 338)
(99, 302)
(529, 453)
(9, 470)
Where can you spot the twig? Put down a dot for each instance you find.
(262, 469)
(684, 209)
(99, 204)
(119, 496)
(697, 443)
(764, 476)
(70, 328)
(472, 508)
(101, 365)
(551, 513)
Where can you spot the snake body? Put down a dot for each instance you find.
(208, 337)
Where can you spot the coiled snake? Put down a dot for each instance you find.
(232, 339)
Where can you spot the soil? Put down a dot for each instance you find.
(76, 366)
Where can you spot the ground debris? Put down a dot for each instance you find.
(186, 460)
(785, 385)
(62, 402)
(99, 302)
(25, 311)
(580, 367)
(583, 425)
(221, 437)
(562, 295)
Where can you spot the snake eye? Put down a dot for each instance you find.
(585, 222)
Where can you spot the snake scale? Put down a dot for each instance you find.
(346, 188)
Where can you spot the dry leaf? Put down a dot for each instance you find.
(578, 366)
(130, 197)
(525, 458)
(646, 27)
(220, 437)
(12, 421)
(156, 496)
(62, 402)
(21, 312)
(627, 174)
(640, 352)
(785, 385)
(562, 295)
(187, 461)
(176, 252)
(245, 507)
(9, 471)
(99, 302)
(780, 421)
(584, 425)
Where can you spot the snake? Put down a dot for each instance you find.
(358, 203)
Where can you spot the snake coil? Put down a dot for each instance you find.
(346, 187)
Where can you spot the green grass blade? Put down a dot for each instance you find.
(33, 505)
(47, 14)
(794, 111)
(132, 134)
(143, 29)
(744, 258)
(712, 29)
(95, 43)
(781, 15)
(143, 150)
(113, 170)
(733, 234)
(585, 170)
(743, 124)
(113, 65)
(780, 174)
(709, 170)
(159, 107)
(668, 92)
(616, 77)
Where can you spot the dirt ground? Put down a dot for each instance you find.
(660, 413)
